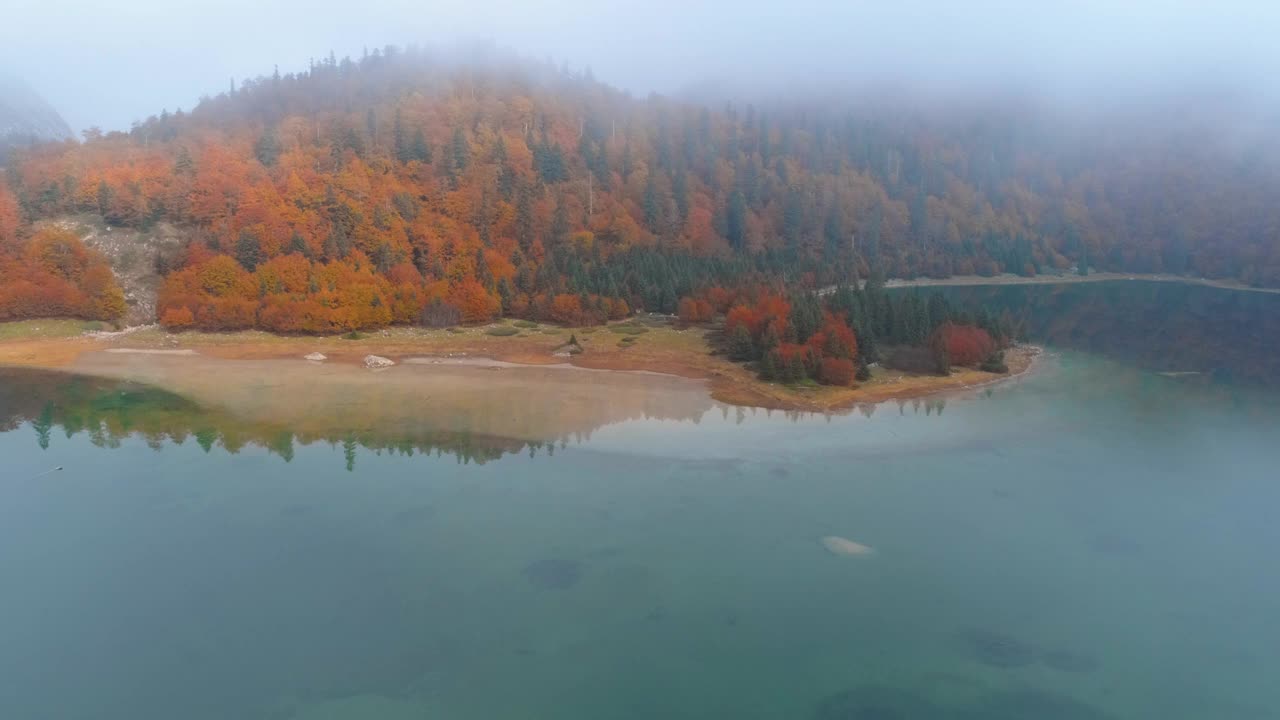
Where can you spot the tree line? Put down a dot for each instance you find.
(361, 192)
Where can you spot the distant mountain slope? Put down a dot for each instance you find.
(26, 118)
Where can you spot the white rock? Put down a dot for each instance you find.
(317, 357)
(377, 361)
(845, 546)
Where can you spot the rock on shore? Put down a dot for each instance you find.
(374, 362)
(318, 357)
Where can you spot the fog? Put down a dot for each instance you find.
(108, 64)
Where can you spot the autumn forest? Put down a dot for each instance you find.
(404, 188)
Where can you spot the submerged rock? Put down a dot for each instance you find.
(1033, 705)
(845, 546)
(998, 649)
(315, 357)
(554, 573)
(877, 703)
(1067, 661)
(377, 361)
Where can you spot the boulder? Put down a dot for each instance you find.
(845, 546)
(315, 356)
(374, 362)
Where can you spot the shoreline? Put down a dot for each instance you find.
(661, 349)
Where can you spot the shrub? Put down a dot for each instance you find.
(179, 318)
(864, 372)
(995, 363)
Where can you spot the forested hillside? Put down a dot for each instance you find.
(366, 192)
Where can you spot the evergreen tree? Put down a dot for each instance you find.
(184, 165)
(400, 138)
(460, 151)
(741, 348)
(483, 274)
(737, 221)
(680, 188)
(506, 178)
(769, 338)
(525, 234)
(864, 371)
(559, 231)
(769, 366)
(506, 295)
(248, 250)
(383, 257)
(793, 217)
(297, 244)
(652, 210)
(421, 149)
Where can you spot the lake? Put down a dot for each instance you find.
(1094, 540)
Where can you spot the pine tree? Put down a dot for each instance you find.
(403, 149)
(505, 295)
(460, 151)
(268, 147)
(248, 250)
(769, 366)
(741, 348)
(421, 149)
(736, 223)
(524, 220)
(651, 208)
(769, 338)
(864, 371)
(184, 165)
(483, 274)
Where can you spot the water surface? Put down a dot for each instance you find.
(1092, 541)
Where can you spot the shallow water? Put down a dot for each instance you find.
(1091, 541)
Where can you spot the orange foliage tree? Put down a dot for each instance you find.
(54, 275)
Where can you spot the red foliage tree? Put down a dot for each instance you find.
(837, 371)
(964, 344)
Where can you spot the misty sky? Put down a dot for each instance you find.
(110, 63)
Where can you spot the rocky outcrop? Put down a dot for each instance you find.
(317, 357)
(373, 362)
(135, 254)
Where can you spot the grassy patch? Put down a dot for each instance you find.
(525, 324)
(502, 331)
(552, 331)
(628, 329)
(48, 328)
(354, 335)
(455, 330)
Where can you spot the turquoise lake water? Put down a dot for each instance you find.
(1091, 541)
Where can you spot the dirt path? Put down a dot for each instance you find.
(973, 280)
